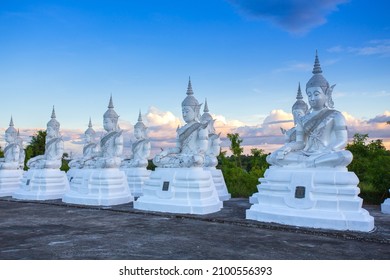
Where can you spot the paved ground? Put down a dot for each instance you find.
(54, 230)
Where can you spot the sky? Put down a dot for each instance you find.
(245, 56)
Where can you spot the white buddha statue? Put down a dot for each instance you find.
(54, 148)
(111, 144)
(299, 109)
(214, 142)
(321, 134)
(140, 148)
(191, 139)
(11, 150)
(89, 150)
(22, 153)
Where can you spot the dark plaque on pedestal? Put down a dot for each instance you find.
(300, 192)
(165, 186)
(28, 182)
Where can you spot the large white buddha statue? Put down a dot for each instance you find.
(140, 149)
(99, 180)
(181, 183)
(111, 144)
(321, 134)
(54, 148)
(89, 150)
(191, 139)
(11, 150)
(44, 180)
(308, 183)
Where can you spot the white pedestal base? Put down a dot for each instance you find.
(42, 184)
(9, 181)
(385, 206)
(179, 190)
(136, 178)
(312, 197)
(219, 183)
(105, 187)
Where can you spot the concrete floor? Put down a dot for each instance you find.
(49, 230)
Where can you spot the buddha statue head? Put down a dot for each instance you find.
(11, 133)
(300, 108)
(140, 128)
(89, 133)
(190, 106)
(110, 118)
(318, 83)
(53, 126)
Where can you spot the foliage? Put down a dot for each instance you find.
(235, 147)
(371, 163)
(1, 152)
(242, 181)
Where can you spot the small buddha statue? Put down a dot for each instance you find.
(22, 153)
(11, 150)
(140, 148)
(191, 139)
(89, 150)
(111, 144)
(54, 148)
(299, 109)
(321, 134)
(214, 141)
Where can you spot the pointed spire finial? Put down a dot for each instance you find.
(139, 116)
(189, 88)
(11, 122)
(299, 93)
(111, 104)
(317, 67)
(53, 113)
(206, 107)
(90, 123)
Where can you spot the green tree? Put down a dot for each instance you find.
(1, 152)
(371, 163)
(235, 147)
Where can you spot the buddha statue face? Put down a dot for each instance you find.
(188, 114)
(109, 124)
(317, 98)
(139, 133)
(10, 137)
(51, 132)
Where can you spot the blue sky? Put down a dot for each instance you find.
(245, 56)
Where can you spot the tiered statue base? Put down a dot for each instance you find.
(136, 178)
(42, 184)
(312, 197)
(219, 183)
(385, 206)
(180, 190)
(9, 181)
(99, 187)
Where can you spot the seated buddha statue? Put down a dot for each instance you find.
(191, 139)
(321, 134)
(140, 149)
(54, 148)
(89, 150)
(214, 141)
(11, 150)
(111, 144)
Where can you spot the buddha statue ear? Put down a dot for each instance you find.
(328, 93)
